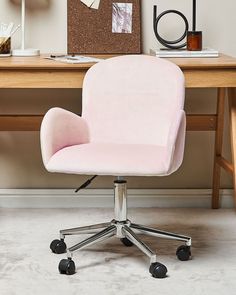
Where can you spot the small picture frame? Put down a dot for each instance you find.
(113, 28)
(122, 17)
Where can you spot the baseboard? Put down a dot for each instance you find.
(103, 198)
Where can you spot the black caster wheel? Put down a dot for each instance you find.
(183, 253)
(66, 267)
(126, 242)
(58, 246)
(158, 270)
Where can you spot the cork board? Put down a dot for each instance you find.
(93, 31)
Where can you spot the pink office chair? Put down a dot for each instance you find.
(132, 123)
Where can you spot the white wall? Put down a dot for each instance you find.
(216, 18)
(20, 158)
(47, 19)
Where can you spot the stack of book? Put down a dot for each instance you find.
(206, 52)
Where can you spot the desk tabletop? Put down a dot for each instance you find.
(41, 63)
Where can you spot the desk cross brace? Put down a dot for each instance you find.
(32, 122)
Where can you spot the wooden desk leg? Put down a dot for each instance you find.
(232, 118)
(218, 147)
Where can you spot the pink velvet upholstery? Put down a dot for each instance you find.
(132, 121)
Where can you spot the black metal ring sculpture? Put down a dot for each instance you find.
(168, 43)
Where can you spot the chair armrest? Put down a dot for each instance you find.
(176, 141)
(59, 129)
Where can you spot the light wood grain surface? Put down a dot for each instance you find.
(40, 62)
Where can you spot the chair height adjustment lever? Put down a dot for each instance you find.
(85, 184)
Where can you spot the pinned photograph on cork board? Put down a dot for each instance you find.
(103, 27)
(122, 18)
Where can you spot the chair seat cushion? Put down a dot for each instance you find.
(111, 159)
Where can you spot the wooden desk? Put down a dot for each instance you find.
(219, 73)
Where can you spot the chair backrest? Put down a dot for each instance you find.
(132, 99)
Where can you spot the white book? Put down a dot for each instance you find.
(206, 52)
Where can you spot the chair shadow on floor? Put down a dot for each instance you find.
(114, 249)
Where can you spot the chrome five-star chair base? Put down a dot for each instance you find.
(123, 229)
